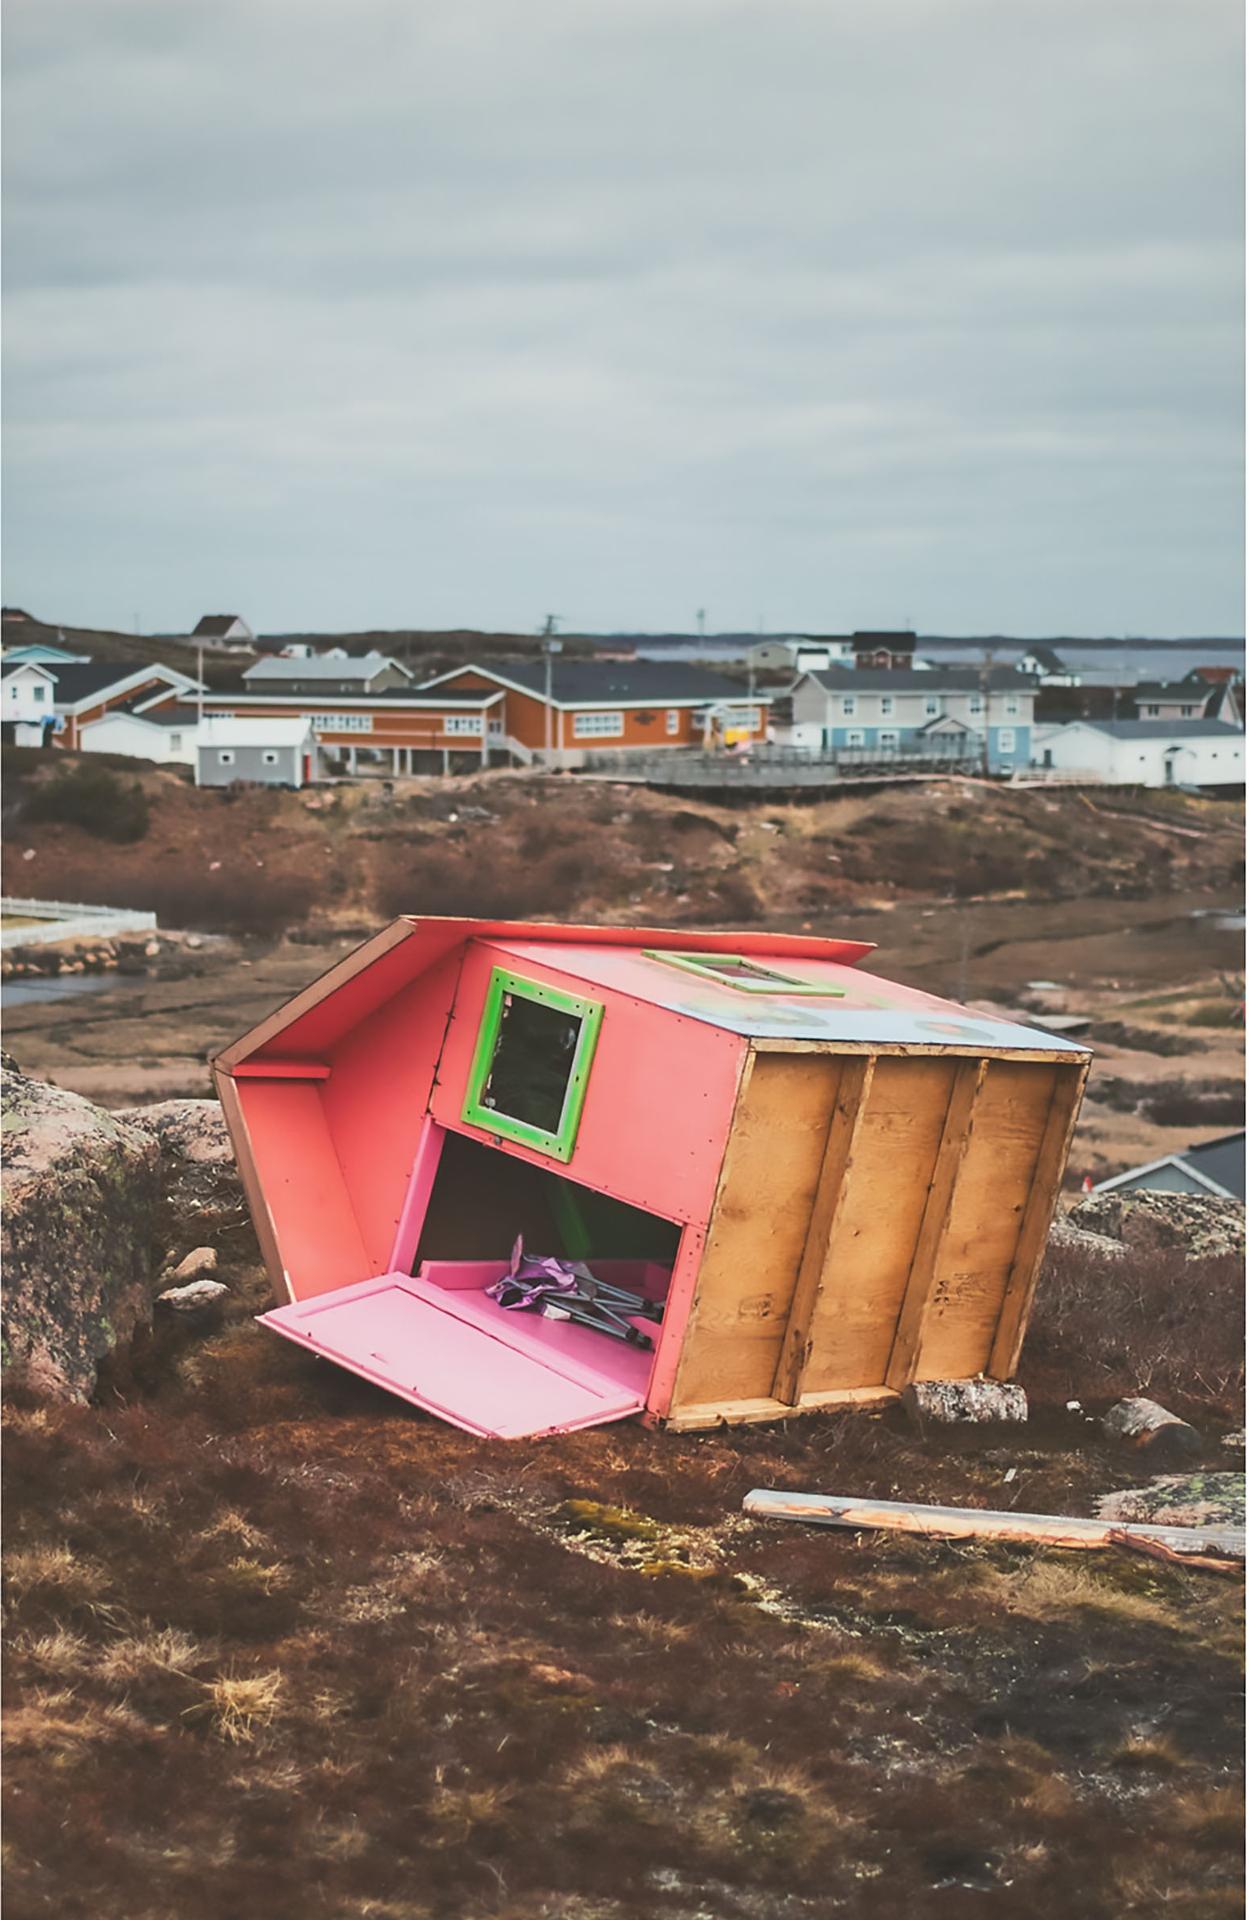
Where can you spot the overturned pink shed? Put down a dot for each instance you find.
(834, 1184)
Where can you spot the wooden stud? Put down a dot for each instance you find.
(1034, 1229)
(952, 1151)
(1069, 1056)
(742, 1413)
(845, 1123)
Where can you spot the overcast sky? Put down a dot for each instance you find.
(831, 312)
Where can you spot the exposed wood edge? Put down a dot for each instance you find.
(850, 1102)
(1070, 1056)
(738, 1413)
(956, 1134)
(258, 1206)
(281, 1070)
(1021, 1281)
(976, 1523)
(312, 995)
(674, 1339)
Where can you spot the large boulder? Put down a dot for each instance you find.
(1201, 1225)
(202, 1199)
(81, 1189)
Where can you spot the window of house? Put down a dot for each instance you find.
(673, 721)
(344, 722)
(225, 756)
(1012, 708)
(1151, 713)
(932, 708)
(849, 705)
(531, 1065)
(39, 691)
(1186, 713)
(269, 757)
(1006, 739)
(597, 726)
(854, 736)
(462, 723)
(887, 737)
(975, 704)
(886, 703)
(748, 976)
(175, 743)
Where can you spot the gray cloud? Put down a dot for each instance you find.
(841, 313)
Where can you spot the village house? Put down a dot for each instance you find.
(400, 730)
(159, 730)
(270, 753)
(1145, 753)
(27, 694)
(320, 673)
(801, 653)
(1209, 1166)
(888, 651)
(965, 713)
(91, 688)
(228, 631)
(598, 706)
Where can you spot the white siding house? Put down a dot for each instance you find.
(167, 738)
(27, 698)
(1146, 753)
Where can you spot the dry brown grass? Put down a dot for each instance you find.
(244, 1704)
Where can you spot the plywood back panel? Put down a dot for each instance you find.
(758, 1229)
(866, 1261)
(986, 1215)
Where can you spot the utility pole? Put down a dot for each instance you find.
(550, 646)
(702, 623)
(986, 682)
(199, 705)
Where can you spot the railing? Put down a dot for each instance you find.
(67, 920)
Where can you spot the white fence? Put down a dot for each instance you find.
(66, 920)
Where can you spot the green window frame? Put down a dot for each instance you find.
(755, 978)
(504, 987)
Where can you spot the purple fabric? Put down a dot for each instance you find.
(532, 1278)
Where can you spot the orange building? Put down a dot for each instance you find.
(88, 689)
(599, 706)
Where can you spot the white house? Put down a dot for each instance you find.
(802, 653)
(164, 734)
(27, 702)
(223, 630)
(1145, 753)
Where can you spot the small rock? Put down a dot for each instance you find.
(196, 1265)
(194, 940)
(1073, 1406)
(1151, 1430)
(950, 1401)
(195, 1298)
(152, 949)
(1236, 1441)
(1180, 1500)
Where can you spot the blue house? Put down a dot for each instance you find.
(950, 713)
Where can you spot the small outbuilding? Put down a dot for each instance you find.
(828, 1185)
(270, 753)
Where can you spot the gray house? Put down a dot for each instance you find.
(1213, 1166)
(324, 673)
(952, 713)
(269, 753)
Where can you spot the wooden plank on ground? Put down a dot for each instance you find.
(755, 1237)
(975, 1523)
(956, 1135)
(1038, 1213)
(739, 1413)
(849, 1109)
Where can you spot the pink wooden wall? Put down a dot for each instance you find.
(659, 1099)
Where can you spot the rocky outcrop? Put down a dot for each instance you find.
(1203, 1226)
(81, 1191)
(201, 1193)
(102, 1211)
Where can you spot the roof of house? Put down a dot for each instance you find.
(40, 653)
(219, 731)
(1046, 658)
(1162, 729)
(1221, 1160)
(86, 678)
(1216, 1165)
(905, 680)
(850, 1006)
(215, 626)
(627, 683)
(9, 667)
(179, 715)
(900, 641)
(362, 666)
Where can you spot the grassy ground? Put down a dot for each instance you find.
(280, 1646)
